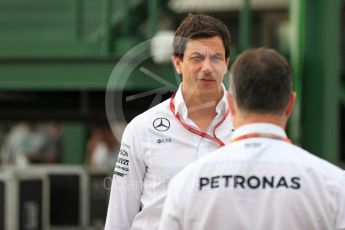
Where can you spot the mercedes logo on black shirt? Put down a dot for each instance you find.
(161, 124)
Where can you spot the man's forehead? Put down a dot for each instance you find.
(213, 45)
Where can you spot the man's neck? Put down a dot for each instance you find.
(202, 107)
(260, 118)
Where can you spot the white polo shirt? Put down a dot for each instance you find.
(155, 146)
(257, 183)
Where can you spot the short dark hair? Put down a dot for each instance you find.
(261, 81)
(200, 26)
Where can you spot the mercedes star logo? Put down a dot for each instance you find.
(161, 124)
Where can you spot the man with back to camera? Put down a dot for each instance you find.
(163, 140)
(260, 180)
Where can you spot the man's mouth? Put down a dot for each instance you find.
(206, 79)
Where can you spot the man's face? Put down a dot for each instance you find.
(203, 66)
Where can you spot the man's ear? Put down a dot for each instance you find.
(227, 65)
(231, 103)
(291, 104)
(177, 64)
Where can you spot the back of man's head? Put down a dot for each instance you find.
(261, 82)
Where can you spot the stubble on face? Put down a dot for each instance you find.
(203, 67)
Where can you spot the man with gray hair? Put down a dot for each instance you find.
(160, 142)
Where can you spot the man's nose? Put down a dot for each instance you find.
(206, 65)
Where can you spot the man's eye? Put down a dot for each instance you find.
(216, 58)
(196, 58)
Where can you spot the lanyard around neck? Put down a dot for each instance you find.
(264, 135)
(195, 131)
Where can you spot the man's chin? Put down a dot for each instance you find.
(209, 89)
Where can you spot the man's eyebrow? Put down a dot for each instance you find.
(196, 53)
(217, 54)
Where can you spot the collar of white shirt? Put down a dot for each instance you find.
(259, 128)
(181, 107)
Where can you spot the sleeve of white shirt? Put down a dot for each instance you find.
(127, 183)
(170, 219)
(340, 223)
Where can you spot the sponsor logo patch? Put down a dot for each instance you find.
(161, 124)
